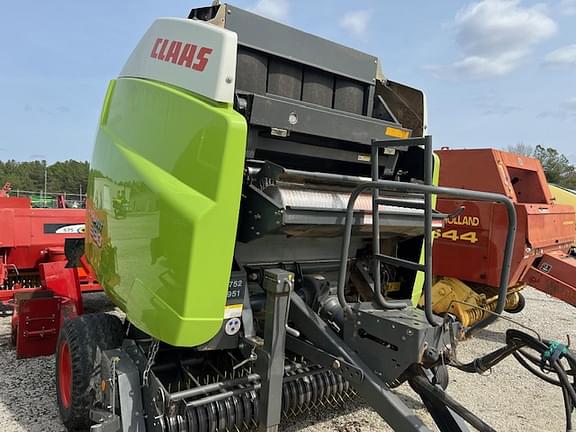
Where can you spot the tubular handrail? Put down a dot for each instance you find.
(429, 190)
(426, 143)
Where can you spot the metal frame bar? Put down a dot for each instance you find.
(324, 345)
(327, 349)
(377, 185)
(278, 285)
(442, 407)
(272, 111)
(399, 262)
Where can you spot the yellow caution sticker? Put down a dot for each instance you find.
(396, 133)
(233, 311)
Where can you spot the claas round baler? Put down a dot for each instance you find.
(173, 131)
(284, 190)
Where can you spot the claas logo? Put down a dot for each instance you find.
(183, 54)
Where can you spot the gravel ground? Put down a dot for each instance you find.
(510, 398)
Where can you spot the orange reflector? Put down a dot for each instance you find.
(396, 133)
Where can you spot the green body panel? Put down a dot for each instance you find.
(419, 280)
(563, 195)
(174, 162)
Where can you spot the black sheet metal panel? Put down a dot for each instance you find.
(284, 78)
(287, 146)
(349, 96)
(406, 103)
(280, 40)
(252, 71)
(391, 341)
(318, 87)
(272, 112)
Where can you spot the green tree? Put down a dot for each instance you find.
(63, 177)
(557, 167)
(68, 176)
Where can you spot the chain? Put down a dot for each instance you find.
(115, 360)
(152, 351)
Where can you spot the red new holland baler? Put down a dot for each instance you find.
(468, 250)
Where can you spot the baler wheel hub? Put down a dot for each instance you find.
(65, 374)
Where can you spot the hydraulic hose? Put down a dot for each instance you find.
(551, 355)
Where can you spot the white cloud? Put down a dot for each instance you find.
(570, 105)
(356, 22)
(495, 36)
(565, 56)
(568, 7)
(274, 9)
(479, 67)
(493, 27)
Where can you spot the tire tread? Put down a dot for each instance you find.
(84, 334)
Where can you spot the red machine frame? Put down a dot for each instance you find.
(35, 285)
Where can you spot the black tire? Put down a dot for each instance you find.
(14, 336)
(75, 354)
(6, 310)
(520, 306)
(111, 332)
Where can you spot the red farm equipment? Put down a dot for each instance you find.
(468, 250)
(35, 284)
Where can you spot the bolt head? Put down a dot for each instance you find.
(292, 118)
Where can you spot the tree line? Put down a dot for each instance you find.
(557, 166)
(69, 176)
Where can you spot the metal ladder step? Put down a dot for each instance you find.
(378, 258)
(399, 203)
(399, 262)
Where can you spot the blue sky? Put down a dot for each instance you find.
(496, 72)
